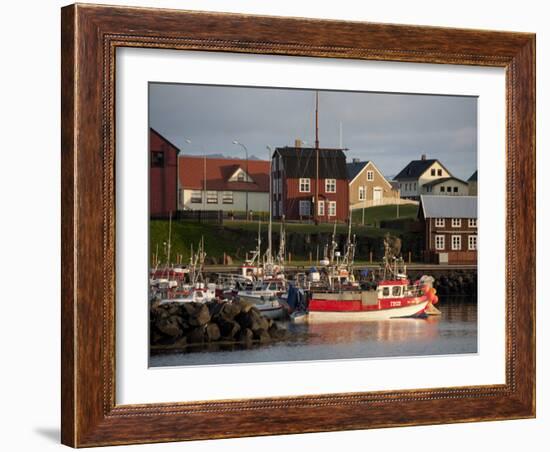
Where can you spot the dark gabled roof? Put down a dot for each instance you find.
(301, 162)
(443, 179)
(163, 138)
(354, 168)
(473, 177)
(416, 168)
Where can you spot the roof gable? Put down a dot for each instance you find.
(416, 168)
(218, 171)
(473, 177)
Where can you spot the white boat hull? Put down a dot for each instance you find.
(361, 316)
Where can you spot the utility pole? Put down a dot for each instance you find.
(315, 207)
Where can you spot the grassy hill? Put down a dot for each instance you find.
(373, 215)
(236, 238)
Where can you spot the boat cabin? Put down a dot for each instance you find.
(396, 289)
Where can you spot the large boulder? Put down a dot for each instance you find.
(169, 327)
(212, 332)
(196, 335)
(200, 317)
(228, 329)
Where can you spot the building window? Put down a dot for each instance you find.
(281, 207)
(211, 197)
(456, 222)
(456, 242)
(305, 210)
(439, 172)
(240, 177)
(433, 172)
(321, 209)
(449, 189)
(455, 189)
(305, 185)
(472, 242)
(362, 191)
(440, 222)
(330, 185)
(370, 175)
(196, 197)
(442, 189)
(439, 242)
(332, 208)
(274, 208)
(227, 197)
(472, 222)
(414, 186)
(157, 159)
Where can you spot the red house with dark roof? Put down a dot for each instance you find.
(163, 176)
(303, 190)
(223, 184)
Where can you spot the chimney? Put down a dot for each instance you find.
(423, 157)
(355, 160)
(297, 143)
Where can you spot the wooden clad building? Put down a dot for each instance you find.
(163, 176)
(450, 226)
(307, 191)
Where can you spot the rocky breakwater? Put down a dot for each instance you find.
(175, 326)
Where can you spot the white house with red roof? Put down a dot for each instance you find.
(223, 184)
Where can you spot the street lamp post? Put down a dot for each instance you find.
(246, 156)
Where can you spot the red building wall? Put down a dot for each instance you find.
(292, 197)
(163, 176)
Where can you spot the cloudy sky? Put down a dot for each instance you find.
(389, 129)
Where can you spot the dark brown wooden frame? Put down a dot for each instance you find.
(90, 36)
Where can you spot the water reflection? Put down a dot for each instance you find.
(455, 331)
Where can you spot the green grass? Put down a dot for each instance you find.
(374, 215)
(305, 228)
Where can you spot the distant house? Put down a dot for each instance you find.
(223, 184)
(451, 186)
(450, 225)
(163, 176)
(417, 173)
(297, 184)
(368, 187)
(472, 185)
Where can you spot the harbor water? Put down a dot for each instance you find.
(453, 332)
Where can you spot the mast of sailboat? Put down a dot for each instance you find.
(269, 230)
(169, 239)
(315, 208)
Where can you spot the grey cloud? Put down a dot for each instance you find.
(390, 129)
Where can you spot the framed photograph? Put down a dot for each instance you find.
(282, 225)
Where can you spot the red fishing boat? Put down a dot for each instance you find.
(340, 298)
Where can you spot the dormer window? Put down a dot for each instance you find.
(240, 177)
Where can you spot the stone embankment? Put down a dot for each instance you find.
(177, 325)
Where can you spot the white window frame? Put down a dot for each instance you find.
(196, 197)
(304, 185)
(439, 246)
(440, 222)
(472, 242)
(458, 245)
(321, 208)
(362, 193)
(456, 222)
(472, 222)
(210, 197)
(370, 175)
(227, 197)
(332, 208)
(330, 185)
(301, 208)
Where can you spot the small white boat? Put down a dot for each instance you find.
(197, 294)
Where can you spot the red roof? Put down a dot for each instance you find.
(219, 171)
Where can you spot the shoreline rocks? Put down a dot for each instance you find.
(180, 325)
